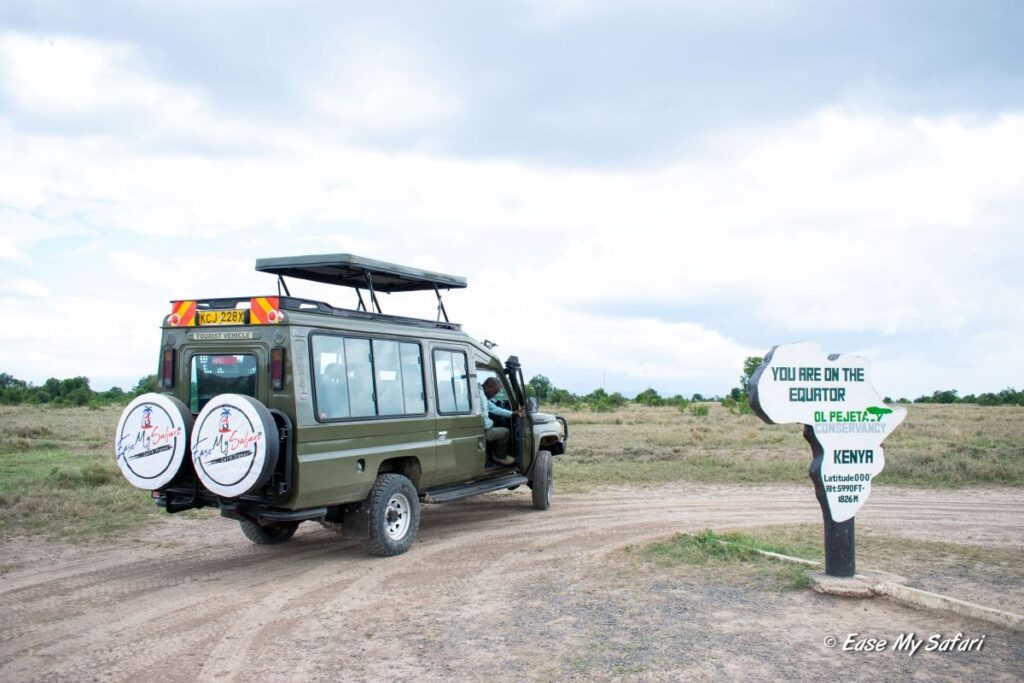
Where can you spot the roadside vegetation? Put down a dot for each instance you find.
(58, 475)
(937, 446)
(74, 391)
(736, 551)
(993, 576)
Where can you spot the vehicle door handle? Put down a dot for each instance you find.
(442, 436)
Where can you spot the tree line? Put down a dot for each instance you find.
(75, 391)
(737, 400)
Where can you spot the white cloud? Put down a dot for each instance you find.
(838, 222)
(377, 86)
(68, 77)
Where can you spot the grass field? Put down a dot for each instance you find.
(58, 475)
(936, 446)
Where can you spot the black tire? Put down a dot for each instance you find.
(393, 507)
(272, 534)
(543, 474)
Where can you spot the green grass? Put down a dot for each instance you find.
(58, 477)
(937, 446)
(735, 551)
(985, 574)
(67, 495)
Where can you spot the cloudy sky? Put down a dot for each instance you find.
(640, 193)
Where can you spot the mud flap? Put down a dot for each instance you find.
(356, 523)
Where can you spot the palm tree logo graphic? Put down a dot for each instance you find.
(225, 417)
(147, 417)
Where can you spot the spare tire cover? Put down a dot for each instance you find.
(234, 445)
(151, 440)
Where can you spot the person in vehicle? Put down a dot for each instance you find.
(333, 392)
(501, 437)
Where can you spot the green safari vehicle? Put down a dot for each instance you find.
(278, 410)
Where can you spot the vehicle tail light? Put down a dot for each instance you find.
(167, 372)
(277, 367)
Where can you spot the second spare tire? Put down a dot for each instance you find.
(151, 440)
(235, 445)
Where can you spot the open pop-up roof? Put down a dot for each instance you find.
(348, 270)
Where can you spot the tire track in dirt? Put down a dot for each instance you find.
(218, 608)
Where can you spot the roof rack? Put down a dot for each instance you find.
(348, 270)
(290, 303)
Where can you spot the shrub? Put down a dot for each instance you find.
(92, 474)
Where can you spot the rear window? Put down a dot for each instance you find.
(221, 373)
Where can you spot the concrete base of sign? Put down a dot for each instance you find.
(841, 586)
(872, 583)
(862, 585)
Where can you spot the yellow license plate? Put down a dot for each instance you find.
(232, 317)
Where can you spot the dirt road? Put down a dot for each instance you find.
(492, 590)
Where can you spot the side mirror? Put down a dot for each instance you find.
(531, 405)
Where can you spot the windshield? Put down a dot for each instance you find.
(223, 373)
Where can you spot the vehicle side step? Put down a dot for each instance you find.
(444, 494)
(291, 515)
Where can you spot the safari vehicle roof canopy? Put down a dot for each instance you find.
(347, 270)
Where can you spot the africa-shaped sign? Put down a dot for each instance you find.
(834, 397)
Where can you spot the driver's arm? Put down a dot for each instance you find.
(494, 409)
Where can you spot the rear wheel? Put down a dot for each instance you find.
(270, 534)
(543, 473)
(394, 512)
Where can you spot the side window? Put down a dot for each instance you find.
(360, 377)
(364, 378)
(411, 360)
(331, 377)
(399, 378)
(452, 378)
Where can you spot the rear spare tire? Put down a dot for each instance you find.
(151, 440)
(235, 445)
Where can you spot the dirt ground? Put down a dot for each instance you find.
(493, 590)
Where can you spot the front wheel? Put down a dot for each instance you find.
(543, 473)
(394, 510)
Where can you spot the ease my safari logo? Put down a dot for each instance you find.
(151, 440)
(227, 444)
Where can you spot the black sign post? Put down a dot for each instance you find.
(840, 551)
